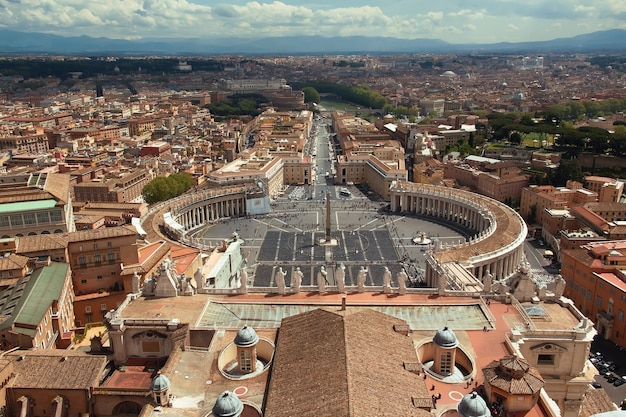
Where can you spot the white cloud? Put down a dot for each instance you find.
(531, 20)
(435, 16)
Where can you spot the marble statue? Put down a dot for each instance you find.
(361, 278)
(243, 289)
(279, 278)
(402, 277)
(559, 286)
(387, 281)
(297, 280)
(135, 282)
(487, 282)
(340, 278)
(322, 279)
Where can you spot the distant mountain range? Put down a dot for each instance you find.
(13, 42)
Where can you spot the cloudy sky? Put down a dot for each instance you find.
(456, 21)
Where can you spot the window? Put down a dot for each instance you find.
(446, 363)
(4, 221)
(82, 261)
(620, 315)
(245, 360)
(83, 281)
(55, 216)
(103, 306)
(95, 246)
(544, 359)
(99, 277)
(598, 301)
(29, 218)
(97, 259)
(16, 220)
(43, 218)
(87, 309)
(109, 245)
(111, 257)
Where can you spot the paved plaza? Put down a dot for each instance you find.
(366, 234)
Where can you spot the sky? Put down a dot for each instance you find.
(454, 21)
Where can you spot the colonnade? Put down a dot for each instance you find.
(456, 211)
(205, 211)
(497, 249)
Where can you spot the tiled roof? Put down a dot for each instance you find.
(13, 261)
(59, 186)
(30, 244)
(343, 363)
(596, 401)
(104, 233)
(57, 369)
(513, 375)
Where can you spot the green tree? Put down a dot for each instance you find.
(164, 188)
(311, 95)
(568, 169)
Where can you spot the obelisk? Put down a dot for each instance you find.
(327, 241)
(327, 216)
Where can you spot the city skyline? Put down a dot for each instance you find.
(452, 21)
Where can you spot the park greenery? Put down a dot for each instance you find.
(361, 95)
(239, 105)
(164, 188)
(94, 66)
(311, 95)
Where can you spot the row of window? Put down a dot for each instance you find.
(96, 259)
(43, 232)
(26, 219)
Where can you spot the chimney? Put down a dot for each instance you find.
(343, 303)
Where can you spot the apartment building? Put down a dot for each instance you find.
(608, 189)
(36, 309)
(119, 187)
(596, 282)
(490, 177)
(369, 170)
(605, 219)
(537, 198)
(33, 143)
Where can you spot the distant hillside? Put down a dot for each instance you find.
(12, 42)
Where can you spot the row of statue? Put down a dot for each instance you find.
(339, 280)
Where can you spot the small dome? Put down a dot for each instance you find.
(473, 405)
(246, 336)
(227, 405)
(160, 383)
(445, 338)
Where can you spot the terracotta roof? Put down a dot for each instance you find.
(59, 186)
(344, 363)
(513, 375)
(30, 244)
(596, 401)
(149, 256)
(57, 369)
(13, 261)
(104, 233)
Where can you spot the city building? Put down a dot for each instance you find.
(597, 285)
(36, 309)
(35, 204)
